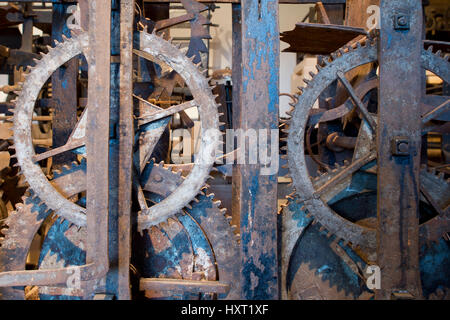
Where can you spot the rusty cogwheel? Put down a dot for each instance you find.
(315, 195)
(213, 258)
(159, 50)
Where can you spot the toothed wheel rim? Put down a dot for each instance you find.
(163, 51)
(342, 61)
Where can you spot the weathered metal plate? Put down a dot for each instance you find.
(316, 38)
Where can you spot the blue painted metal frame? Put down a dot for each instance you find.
(259, 110)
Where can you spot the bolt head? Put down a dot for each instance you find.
(400, 146)
(402, 21)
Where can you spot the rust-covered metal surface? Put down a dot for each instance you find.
(398, 148)
(258, 110)
(126, 138)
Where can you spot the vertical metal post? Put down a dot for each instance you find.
(126, 135)
(259, 110)
(399, 143)
(64, 89)
(236, 120)
(97, 131)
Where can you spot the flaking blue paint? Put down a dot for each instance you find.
(260, 34)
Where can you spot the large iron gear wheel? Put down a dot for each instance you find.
(363, 52)
(316, 265)
(161, 50)
(63, 246)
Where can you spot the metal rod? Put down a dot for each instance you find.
(361, 107)
(97, 133)
(178, 285)
(433, 114)
(126, 135)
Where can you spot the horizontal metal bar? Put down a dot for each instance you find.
(159, 284)
(61, 291)
(51, 276)
(238, 1)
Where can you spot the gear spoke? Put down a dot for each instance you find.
(359, 104)
(70, 145)
(162, 113)
(436, 112)
(355, 166)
